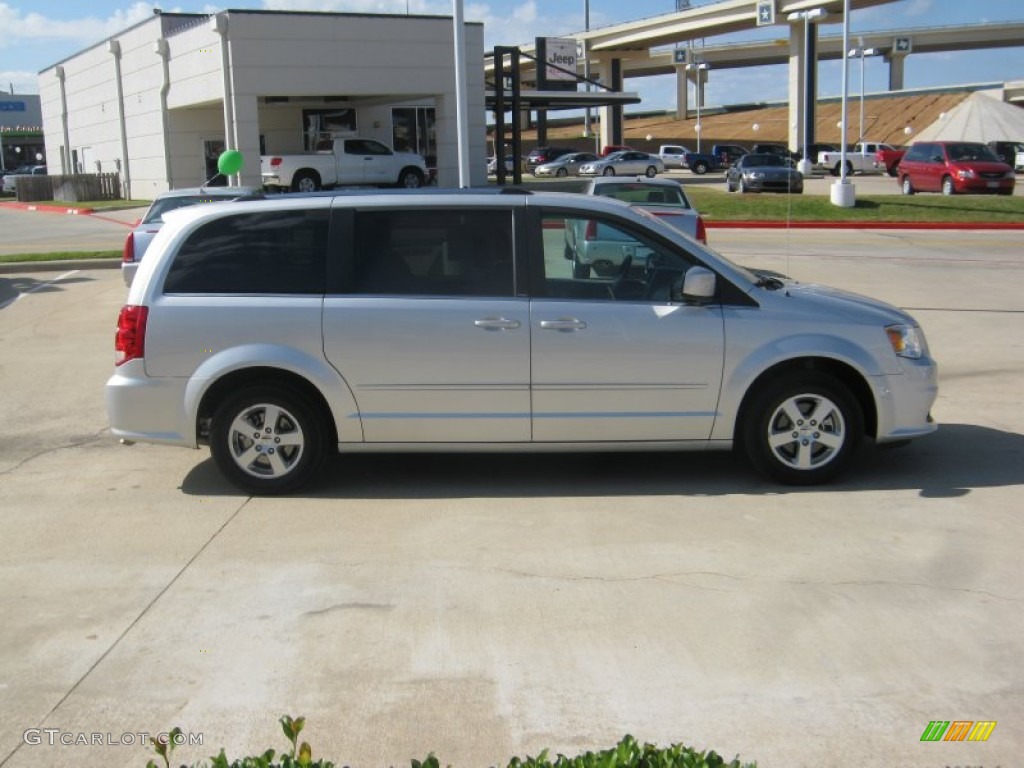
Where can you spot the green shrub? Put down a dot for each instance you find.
(628, 753)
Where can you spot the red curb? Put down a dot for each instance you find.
(48, 208)
(710, 224)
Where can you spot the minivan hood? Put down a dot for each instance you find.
(852, 306)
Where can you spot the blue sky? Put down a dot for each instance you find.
(38, 33)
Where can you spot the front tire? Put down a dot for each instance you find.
(803, 429)
(562, 172)
(609, 171)
(267, 440)
(947, 186)
(651, 172)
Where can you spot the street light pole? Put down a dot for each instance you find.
(860, 51)
(586, 64)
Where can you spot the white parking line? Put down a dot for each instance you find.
(39, 287)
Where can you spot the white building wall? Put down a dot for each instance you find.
(377, 61)
(374, 61)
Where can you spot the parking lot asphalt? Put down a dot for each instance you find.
(485, 606)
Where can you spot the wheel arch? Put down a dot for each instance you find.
(307, 171)
(845, 373)
(235, 380)
(413, 169)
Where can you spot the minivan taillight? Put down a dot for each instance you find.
(128, 255)
(130, 339)
(702, 234)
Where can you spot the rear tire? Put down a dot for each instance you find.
(700, 167)
(906, 186)
(268, 440)
(580, 271)
(893, 170)
(651, 172)
(609, 171)
(802, 429)
(410, 178)
(562, 172)
(306, 181)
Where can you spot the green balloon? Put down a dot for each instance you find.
(229, 162)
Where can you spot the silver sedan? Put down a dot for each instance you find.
(566, 165)
(625, 163)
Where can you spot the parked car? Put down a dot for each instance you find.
(542, 155)
(625, 163)
(672, 155)
(10, 179)
(764, 173)
(566, 165)
(954, 167)
(665, 198)
(862, 157)
(889, 158)
(702, 162)
(283, 330)
(492, 165)
(347, 161)
(145, 230)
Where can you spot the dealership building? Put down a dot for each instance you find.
(158, 102)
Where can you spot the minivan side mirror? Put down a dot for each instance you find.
(698, 285)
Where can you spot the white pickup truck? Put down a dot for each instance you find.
(343, 162)
(859, 158)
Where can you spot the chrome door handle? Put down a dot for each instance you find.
(497, 324)
(565, 324)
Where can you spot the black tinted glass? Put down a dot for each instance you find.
(433, 253)
(271, 252)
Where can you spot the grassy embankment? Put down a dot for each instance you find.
(716, 205)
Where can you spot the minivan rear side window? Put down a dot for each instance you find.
(432, 252)
(270, 252)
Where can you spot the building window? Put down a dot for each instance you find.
(414, 129)
(318, 124)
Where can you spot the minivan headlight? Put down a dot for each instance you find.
(966, 173)
(906, 340)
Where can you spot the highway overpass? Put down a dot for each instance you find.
(625, 50)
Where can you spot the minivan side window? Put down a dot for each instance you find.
(919, 153)
(591, 258)
(270, 252)
(432, 252)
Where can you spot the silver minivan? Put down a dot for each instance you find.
(279, 331)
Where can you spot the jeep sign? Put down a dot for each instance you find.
(561, 52)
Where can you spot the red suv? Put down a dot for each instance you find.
(954, 167)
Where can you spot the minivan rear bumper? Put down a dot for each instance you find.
(148, 410)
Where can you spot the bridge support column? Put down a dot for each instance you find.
(803, 66)
(896, 62)
(682, 93)
(611, 117)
